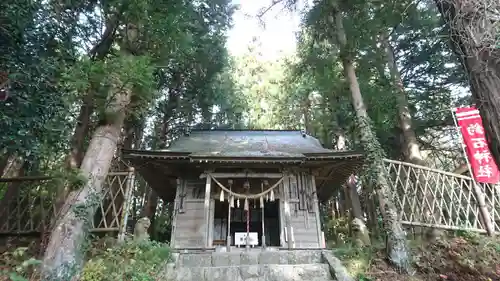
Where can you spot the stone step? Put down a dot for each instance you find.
(268, 272)
(247, 258)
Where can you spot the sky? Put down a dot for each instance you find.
(276, 36)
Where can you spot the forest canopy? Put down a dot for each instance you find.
(82, 80)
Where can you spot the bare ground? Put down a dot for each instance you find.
(452, 259)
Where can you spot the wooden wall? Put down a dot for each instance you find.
(297, 191)
(188, 226)
(303, 206)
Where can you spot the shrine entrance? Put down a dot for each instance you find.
(243, 222)
(223, 175)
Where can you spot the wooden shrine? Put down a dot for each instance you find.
(245, 188)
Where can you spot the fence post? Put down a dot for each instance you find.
(128, 197)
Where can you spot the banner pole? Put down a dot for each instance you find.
(484, 214)
(462, 143)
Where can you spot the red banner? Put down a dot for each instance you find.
(483, 166)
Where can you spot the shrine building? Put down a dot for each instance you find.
(245, 188)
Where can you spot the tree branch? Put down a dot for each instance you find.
(265, 10)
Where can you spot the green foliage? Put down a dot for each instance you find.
(135, 261)
(162, 225)
(470, 236)
(337, 231)
(428, 69)
(258, 81)
(61, 176)
(34, 54)
(358, 260)
(179, 50)
(112, 77)
(67, 61)
(473, 257)
(178, 72)
(17, 265)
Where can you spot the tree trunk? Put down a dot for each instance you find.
(73, 160)
(13, 166)
(4, 162)
(306, 112)
(64, 255)
(7, 203)
(77, 143)
(150, 206)
(474, 38)
(333, 212)
(98, 52)
(206, 116)
(340, 204)
(130, 132)
(410, 145)
(138, 134)
(371, 210)
(340, 143)
(327, 143)
(169, 108)
(75, 156)
(397, 248)
(361, 231)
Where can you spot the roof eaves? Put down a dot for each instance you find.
(298, 157)
(335, 155)
(246, 160)
(155, 154)
(248, 154)
(252, 158)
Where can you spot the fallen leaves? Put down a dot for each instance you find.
(450, 259)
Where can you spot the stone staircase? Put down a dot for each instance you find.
(296, 265)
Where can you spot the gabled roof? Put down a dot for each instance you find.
(262, 149)
(244, 146)
(248, 143)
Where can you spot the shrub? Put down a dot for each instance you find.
(17, 265)
(131, 261)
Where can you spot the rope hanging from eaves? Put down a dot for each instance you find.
(247, 196)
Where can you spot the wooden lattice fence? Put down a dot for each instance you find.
(432, 198)
(33, 206)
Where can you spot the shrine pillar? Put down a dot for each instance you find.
(206, 215)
